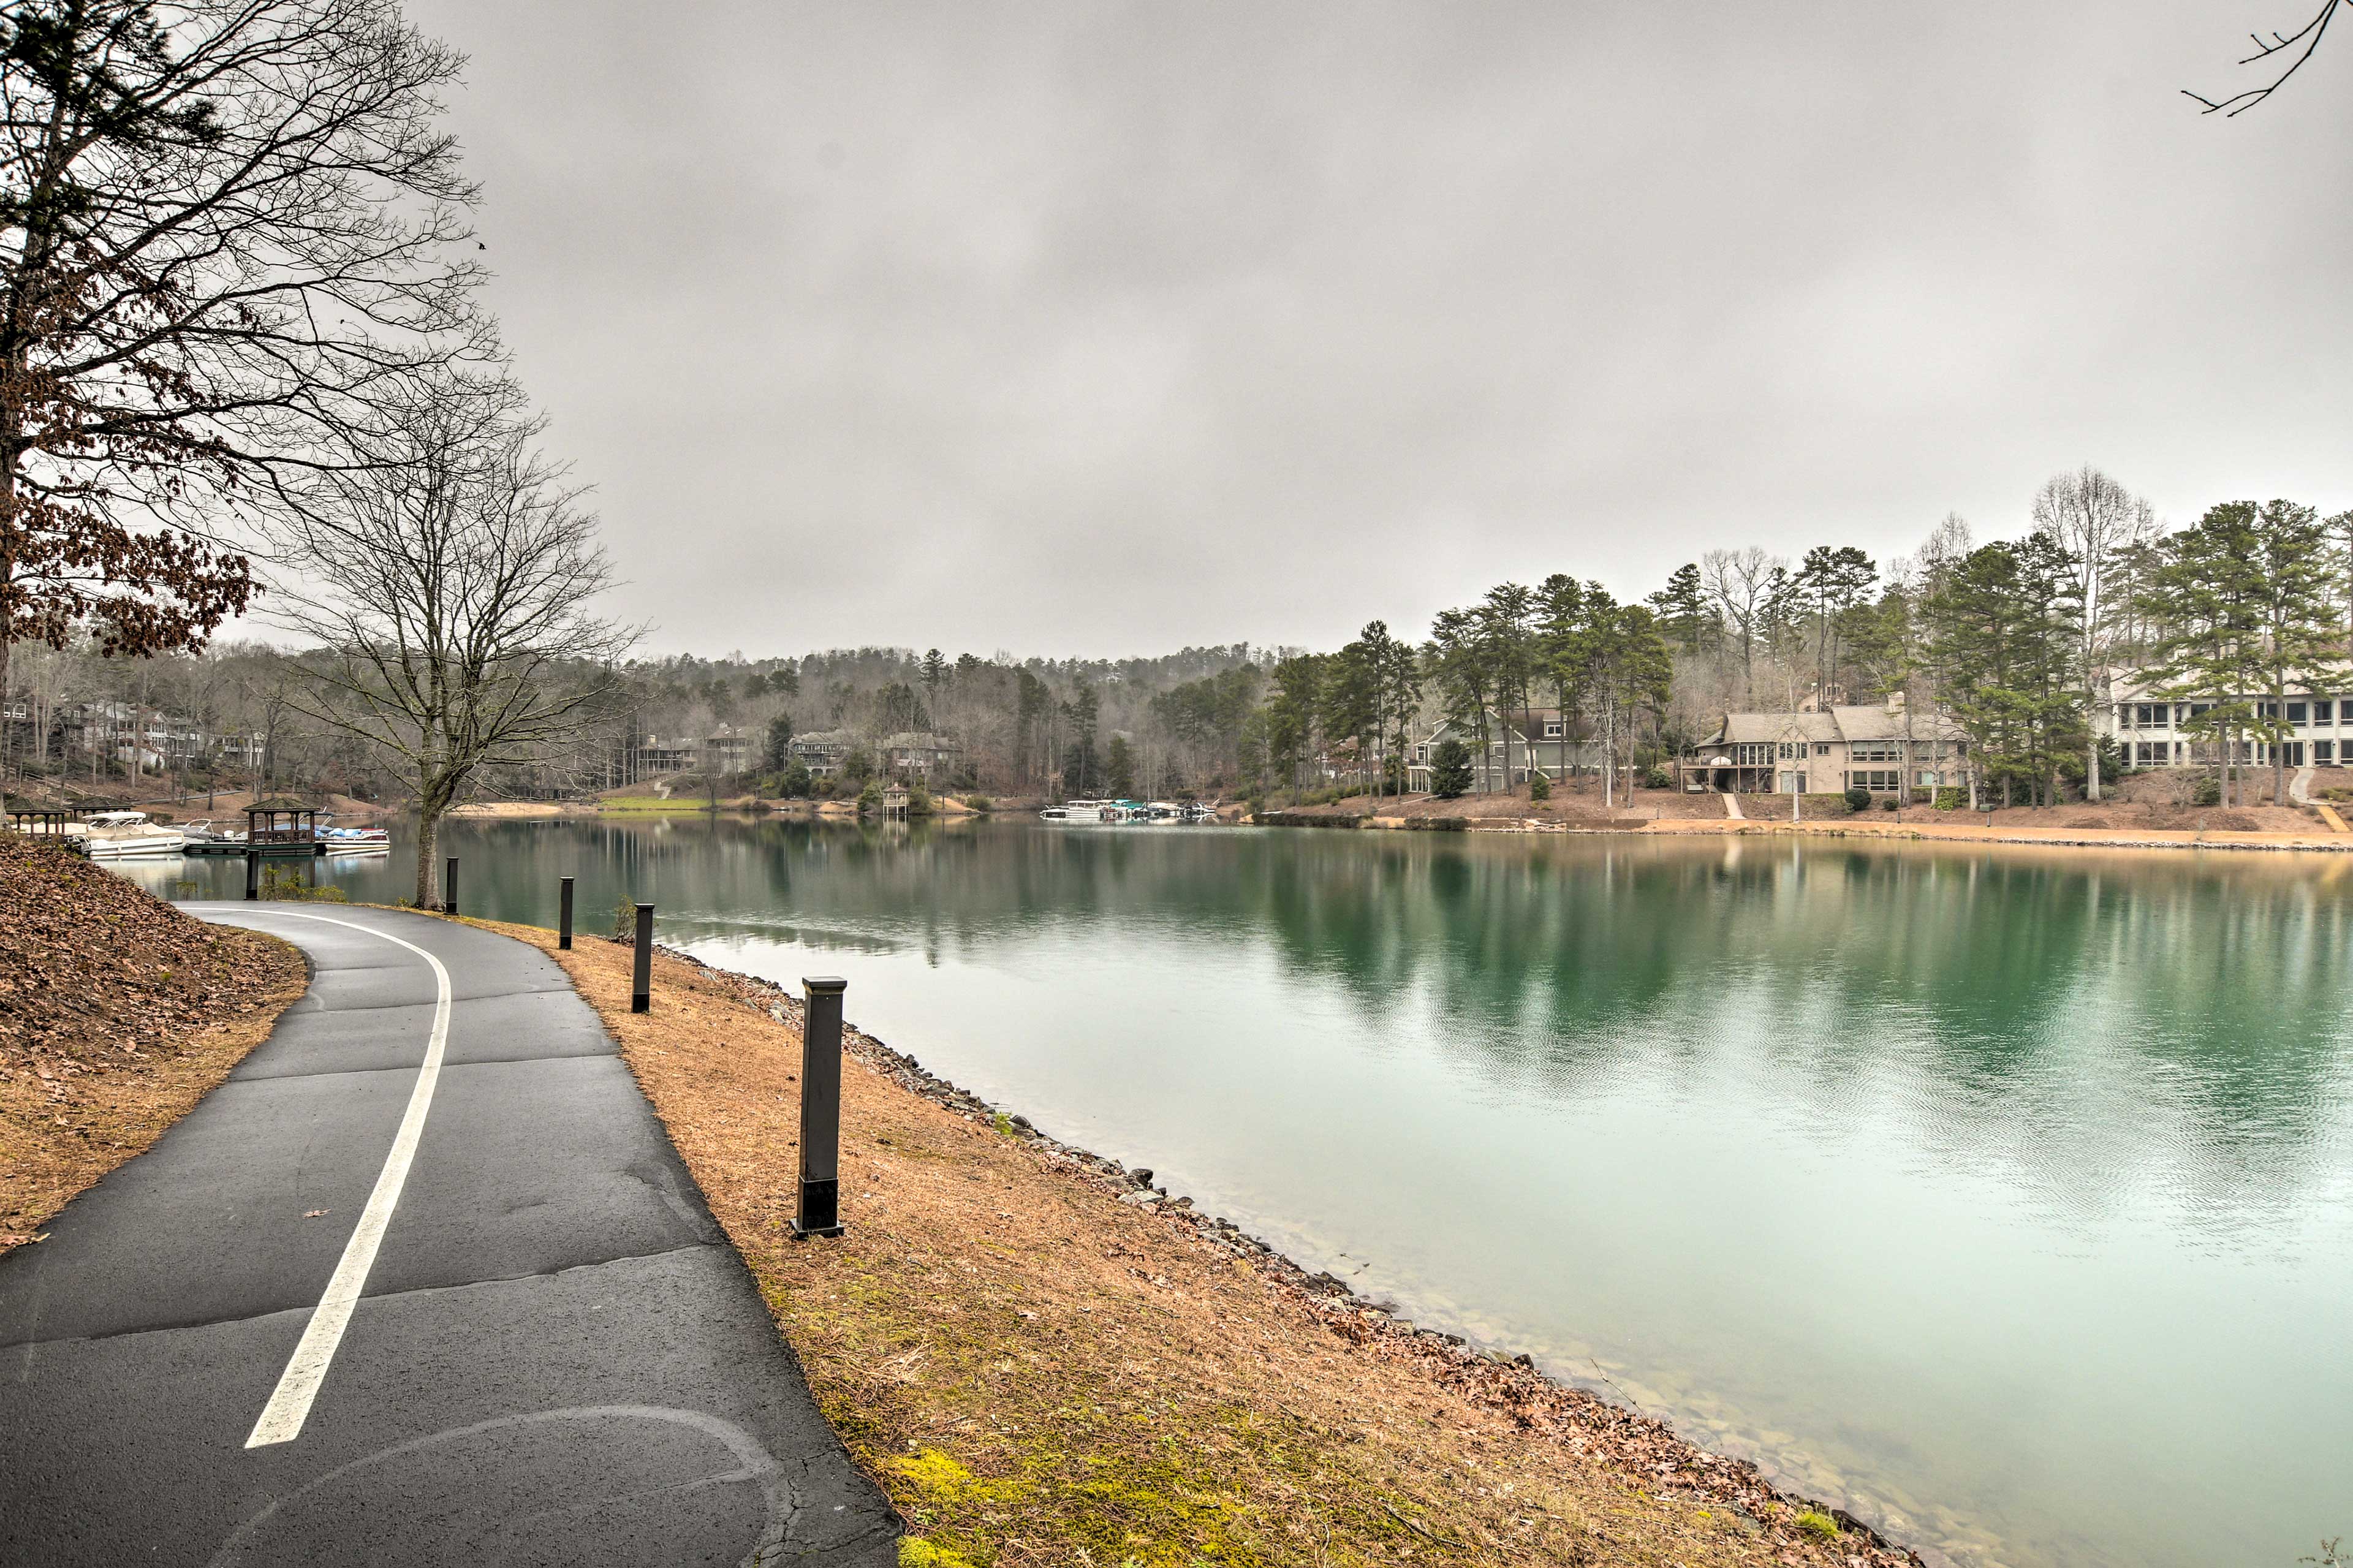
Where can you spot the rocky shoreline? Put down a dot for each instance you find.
(1646, 1446)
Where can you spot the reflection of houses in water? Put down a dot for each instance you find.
(1881, 748)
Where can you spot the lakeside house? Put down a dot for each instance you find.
(2152, 731)
(821, 750)
(655, 755)
(909, 753)
(919, 754)
(1532, 741)
(140, 738)
(1882, 748)
(726, 751)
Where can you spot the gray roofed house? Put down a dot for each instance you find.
(1879, 747)
(821, 750)
(917, 752)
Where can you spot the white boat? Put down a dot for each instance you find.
(128, 836)
(1077, 811)
(355, 840)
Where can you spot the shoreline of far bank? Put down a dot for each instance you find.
(2322, 843)
(996, 1399)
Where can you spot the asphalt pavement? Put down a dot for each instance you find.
(388, 1297)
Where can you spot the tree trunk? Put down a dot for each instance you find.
(30, 710)
(2279, 747)
(428, 828)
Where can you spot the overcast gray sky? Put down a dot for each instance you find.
(1106, 328)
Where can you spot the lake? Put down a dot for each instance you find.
(2005, 1193)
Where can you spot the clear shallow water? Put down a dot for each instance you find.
(2008, 1193)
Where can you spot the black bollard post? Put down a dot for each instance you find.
(450, 889)
(642, 999)
(252, 875)
(820, 1107)
(563, 916)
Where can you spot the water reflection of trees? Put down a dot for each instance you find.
(2016, 1007)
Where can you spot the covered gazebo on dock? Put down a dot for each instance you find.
(49, 817)
(282, 826)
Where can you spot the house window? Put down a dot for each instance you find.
(1552, 729)
(1927, 778)
(2322, 750)
(2296, 714)
(1821, 748)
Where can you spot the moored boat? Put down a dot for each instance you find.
(354, 841)
(128, 836)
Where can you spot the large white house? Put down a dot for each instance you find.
(2153, 731)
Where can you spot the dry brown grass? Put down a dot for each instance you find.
(1039, 1373)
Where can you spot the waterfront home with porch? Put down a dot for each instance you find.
(1882, 748)
(822, 751)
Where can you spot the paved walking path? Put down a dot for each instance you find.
(423, 1282)
(1732, 808)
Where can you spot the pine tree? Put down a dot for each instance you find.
(1456, 660)
(1449, 769)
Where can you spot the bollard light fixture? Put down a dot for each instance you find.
(820, 1210)
(563, 916)
(642, 985)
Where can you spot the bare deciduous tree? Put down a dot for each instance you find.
(2095, 518)
(1740, 582)
(448, 575)
(223, 224)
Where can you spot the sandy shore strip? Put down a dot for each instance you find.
(1970, 833)
(1045, 1358)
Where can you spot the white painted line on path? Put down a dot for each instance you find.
(282, 1419)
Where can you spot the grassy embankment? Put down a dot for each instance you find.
(1043, 1362)
(118, 1013)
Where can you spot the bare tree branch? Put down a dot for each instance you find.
(2309, 36)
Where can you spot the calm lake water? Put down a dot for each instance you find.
(2008, 1193)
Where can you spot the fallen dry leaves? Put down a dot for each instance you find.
(118, 1013)
(1043, 1362)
